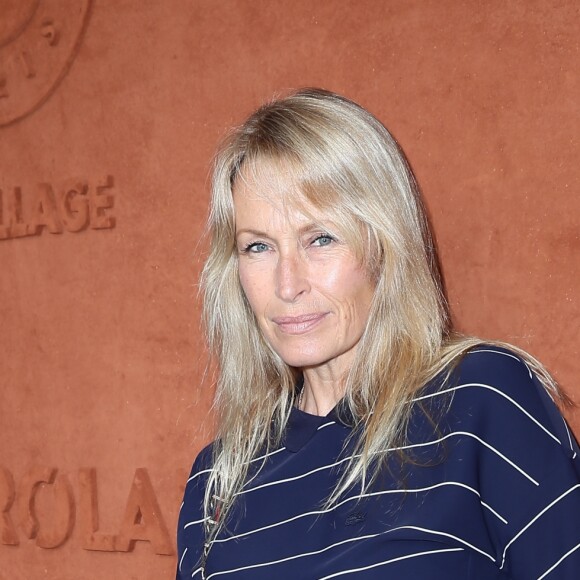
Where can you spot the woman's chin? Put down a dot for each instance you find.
(316, 357)
(301, 360)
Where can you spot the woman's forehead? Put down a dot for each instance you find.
(273, 182)
(268, 178)
(276, 201)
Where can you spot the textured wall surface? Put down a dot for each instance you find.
(110, 111)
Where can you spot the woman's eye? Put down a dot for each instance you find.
(255, 248)
(323, 240)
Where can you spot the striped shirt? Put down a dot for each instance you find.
(490, 490)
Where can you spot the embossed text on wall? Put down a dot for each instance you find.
(39, 40)
(72, 206)
(42, 507)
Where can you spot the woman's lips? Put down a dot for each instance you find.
(298, 324)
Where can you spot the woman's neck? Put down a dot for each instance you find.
(321, 392)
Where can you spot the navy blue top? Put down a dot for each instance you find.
(491, 491)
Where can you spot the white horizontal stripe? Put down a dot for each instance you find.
(431, 487)
(568, 553)
(195, 522)
(294, 478)
(354, 570)
(314, 553)
(343, 502)
(251, 461)
(504, 354)
(283, 522)
(181, 559)
(269, 454)
(301, 555)
(198, 474)
(456, 538)
(434, 442)
(484, 443)
(535, 518)
(489, 387)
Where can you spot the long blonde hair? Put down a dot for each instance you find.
(341, 160)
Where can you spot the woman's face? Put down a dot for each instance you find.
(310, 295)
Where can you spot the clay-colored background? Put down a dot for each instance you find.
(101, 358)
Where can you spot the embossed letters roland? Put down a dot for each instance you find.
(20, 510)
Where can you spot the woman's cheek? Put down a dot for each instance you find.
(255, 286)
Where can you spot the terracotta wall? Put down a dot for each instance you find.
(109, 113)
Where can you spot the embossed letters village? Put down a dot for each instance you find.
(72, 206)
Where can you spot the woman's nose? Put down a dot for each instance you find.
(291, 277)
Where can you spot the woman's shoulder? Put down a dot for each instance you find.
(486, 363)
(492, 369)
(503, 439)
(494, 392)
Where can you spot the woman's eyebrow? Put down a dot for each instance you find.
(252, 232)
(305, 229)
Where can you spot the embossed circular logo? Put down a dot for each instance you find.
(39, 40)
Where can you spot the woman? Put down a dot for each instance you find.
(358, 436)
